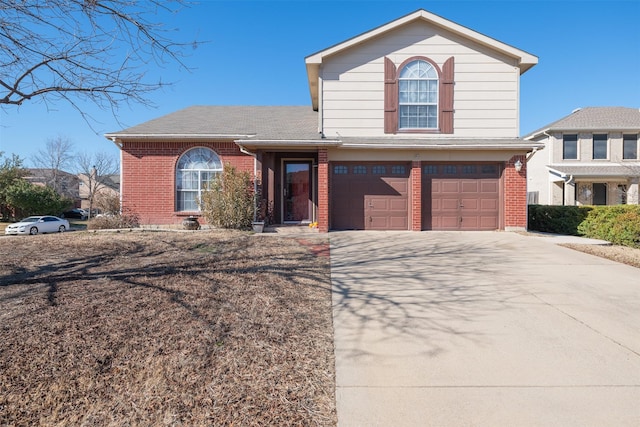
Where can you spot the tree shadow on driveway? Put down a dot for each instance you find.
(424, 289)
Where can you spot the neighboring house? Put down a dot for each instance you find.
(64, 183)
(412, 126)
(591, 158)
(108, 185)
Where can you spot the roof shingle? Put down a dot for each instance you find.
(260, 122)
(595, 119)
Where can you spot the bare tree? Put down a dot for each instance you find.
(77, 50)
(54, 162)
(96, 173)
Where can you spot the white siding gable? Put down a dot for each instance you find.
(486, 93)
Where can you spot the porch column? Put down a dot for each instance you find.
(632, 192)
(416, 195)
(323, 190)
(515, 195)
(570, 194)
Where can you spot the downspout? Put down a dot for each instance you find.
(320, 106)
(255, 172)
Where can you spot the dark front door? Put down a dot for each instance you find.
(297, 191)
(599, 194)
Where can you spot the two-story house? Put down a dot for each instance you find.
(413, 125)
(590, 158)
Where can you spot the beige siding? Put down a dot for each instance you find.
(486, 84)
(538, 178)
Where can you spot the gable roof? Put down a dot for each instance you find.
(313, 61)
(594, 119)
(298, 123)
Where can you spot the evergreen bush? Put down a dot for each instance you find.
(229, 200)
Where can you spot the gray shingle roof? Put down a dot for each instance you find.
(260, 122)
(596, 119)
(619, 170)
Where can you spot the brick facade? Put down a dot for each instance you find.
(323, 190)
(149, 177)
(515, 194)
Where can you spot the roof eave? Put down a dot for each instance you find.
(171, 136)
(488, 147)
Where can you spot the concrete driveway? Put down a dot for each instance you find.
(482, 329)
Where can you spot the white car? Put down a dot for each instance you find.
(38, 224)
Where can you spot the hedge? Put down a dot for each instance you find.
(557, 219)
(618, 224)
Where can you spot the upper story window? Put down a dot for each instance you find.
(418, 96)
(194, 171)
(570, 147)
(630, 147)
(599, 147)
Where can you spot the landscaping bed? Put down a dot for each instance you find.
(165, 328)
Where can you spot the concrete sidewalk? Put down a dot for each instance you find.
(482, 329)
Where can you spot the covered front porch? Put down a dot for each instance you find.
(292, 184)
(593, 185)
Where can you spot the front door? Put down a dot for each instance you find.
(297, 191)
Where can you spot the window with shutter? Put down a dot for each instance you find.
(418, 96)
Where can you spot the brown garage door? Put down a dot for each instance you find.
(459, 196)
(369, 196)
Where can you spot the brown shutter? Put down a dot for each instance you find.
(446, 97)
(390, 97)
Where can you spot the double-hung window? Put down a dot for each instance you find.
(599, 147)
(418, 96)
(194, 171)
(570, 147)
(630, 147)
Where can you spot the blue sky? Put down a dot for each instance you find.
(589, 55)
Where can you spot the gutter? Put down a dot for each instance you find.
(178, 136)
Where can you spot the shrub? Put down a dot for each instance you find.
(617, 224)
(27, 199)
(557, 219)
(229, 200)
(108, 222)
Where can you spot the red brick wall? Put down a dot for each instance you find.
(323, 190)
(515, 194)
(149, 177)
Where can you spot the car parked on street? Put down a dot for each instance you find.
(76, 213)
(38, 224)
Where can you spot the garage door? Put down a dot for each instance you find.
(369, 196)
(461, 196)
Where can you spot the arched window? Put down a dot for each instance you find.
(418, 96)
(195, 170)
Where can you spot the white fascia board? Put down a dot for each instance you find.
(487, 147)
(172, 136)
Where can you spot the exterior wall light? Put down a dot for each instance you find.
(518, 165)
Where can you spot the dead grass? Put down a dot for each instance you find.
(161, 328)
(623, 254)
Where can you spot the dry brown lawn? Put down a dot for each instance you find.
(623, 254)
(165, 328)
